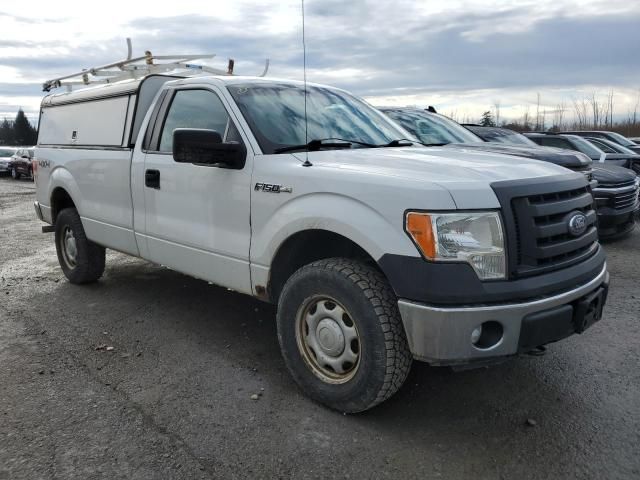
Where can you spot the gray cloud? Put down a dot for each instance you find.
(405, 52)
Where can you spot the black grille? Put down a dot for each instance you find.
(620, 196)
(539, 239)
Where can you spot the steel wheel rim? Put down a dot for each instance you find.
(69, 247)
(328, 339)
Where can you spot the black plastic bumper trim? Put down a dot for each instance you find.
(447, 284)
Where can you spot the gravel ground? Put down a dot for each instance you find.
(172, 398)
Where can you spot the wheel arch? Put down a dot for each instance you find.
(63, 192)
(60, 199)
(304, 247)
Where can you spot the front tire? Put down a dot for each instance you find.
(14, 173)
(81, 260)
(341, 334)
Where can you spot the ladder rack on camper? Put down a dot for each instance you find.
(138, 67)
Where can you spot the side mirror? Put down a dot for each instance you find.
(202, 146)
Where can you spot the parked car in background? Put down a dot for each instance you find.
(611, 136)
(607, 146)
(635, 140)
(617, 197)
(21, 163)
(500, 135)
(435, 129)
(614, 188)
(5, 159)
(581, 144)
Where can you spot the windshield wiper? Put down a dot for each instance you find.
(316, 144)
(433, 144)
(400, 142)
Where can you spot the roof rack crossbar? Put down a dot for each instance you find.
(131, 68)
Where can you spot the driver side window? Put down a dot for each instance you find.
(197, 109)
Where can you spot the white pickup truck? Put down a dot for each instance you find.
(375, 250)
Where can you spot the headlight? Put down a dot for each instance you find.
(473, 237)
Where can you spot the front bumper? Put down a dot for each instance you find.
(442, 335)
(612, 223)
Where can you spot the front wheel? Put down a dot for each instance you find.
(341, 334)
(81, 260)
(14, 173)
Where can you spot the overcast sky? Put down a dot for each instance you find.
(460, 55)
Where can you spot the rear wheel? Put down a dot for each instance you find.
(341, 334)
(81, 260)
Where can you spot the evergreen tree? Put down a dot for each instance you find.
(487, 119)
(6, 133)
(24, 132)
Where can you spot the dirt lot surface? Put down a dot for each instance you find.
(172, 399)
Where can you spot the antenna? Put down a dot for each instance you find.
(306, 163)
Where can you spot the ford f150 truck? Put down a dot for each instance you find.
(375, 250)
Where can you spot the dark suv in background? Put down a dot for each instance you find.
(607, 146)
(617, 192)
(582, 144)
(611, 136)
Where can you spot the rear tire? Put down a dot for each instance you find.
(341, 334)
(81, 260)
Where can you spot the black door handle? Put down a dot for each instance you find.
(152, 179)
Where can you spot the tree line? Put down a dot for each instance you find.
(18, 132)
(589, 112)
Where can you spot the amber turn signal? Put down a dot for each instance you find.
(418, 226)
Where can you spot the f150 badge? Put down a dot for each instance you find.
(272, 188)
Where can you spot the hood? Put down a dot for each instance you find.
(607, 174)
(467, 174)
(558, 156)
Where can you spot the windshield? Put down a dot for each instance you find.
(620, 149)
(605, 147)
(504, 135)
(432, 129)
(275, 113)
(586, 147)
(6, 152)
(621, 139)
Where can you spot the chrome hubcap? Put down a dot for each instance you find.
(69, 247)
(328, 339)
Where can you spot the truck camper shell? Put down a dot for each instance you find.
(112, 118)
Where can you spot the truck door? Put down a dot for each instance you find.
(197, 216)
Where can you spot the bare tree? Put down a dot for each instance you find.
(580, 108)
(558, 116)
(526, 120)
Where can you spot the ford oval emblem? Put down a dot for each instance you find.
(577, 224)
